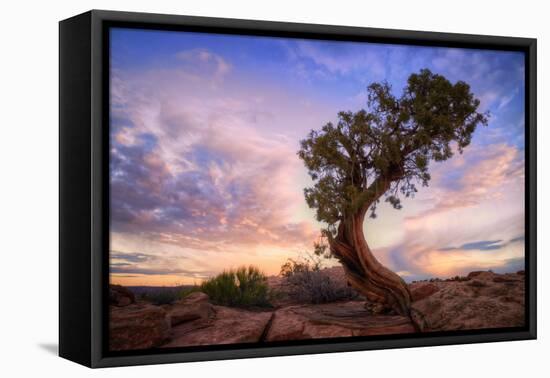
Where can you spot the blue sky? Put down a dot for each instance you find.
(204, 133)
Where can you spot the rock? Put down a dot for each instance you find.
(478, 304)
(194, 306)
(422, 290)
(228, 326)
(477, 283)
(120, 296)
(342, 319)
(474, 273)
(374, 308)
(508, 278)
(137, 326)
(482, 275)
(196, 297)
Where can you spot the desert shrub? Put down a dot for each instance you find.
(304, 264)
(245, 286)
(313, 286)
(308, 282)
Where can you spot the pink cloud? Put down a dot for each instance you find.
(483, 172)
(205, 176)
(474, 199)
(197, 59)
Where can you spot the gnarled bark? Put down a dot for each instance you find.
(364, 272)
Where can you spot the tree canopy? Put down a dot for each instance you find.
(386, 148)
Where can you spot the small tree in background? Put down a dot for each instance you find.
(384, 150)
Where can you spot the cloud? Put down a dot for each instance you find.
(476, 176)
(203, 59)
(322, 59)
(421, 254)
(505, 99)
(189, 166)
(469, 218)
(126, 264)
(483, 245)
(130, 257)
(496, 80)
(518, 239)
(225, 194)
(511, 265)
(149, 271)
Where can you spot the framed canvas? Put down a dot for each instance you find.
(234, 188)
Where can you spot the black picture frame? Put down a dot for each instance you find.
(84, 185)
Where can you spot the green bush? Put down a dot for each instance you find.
(238, 288)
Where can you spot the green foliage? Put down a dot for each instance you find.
(239, 288)
(386, 149)
(321, 248)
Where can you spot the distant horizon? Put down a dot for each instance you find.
(168, 286)
(204, 133)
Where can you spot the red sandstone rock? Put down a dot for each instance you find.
(508, 278)
(229, 326)
(342, 319)
(486, 300)
(423, 290)
(137, 326)
(489, 300)
(120, 296)
(193, 307)
(482, 275)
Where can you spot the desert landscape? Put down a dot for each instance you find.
(323, 307)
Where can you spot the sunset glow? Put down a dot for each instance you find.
(204, 173)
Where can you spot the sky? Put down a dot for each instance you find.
(204, 175)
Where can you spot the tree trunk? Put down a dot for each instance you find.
(366, 274)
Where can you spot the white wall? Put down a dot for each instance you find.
(28, 193)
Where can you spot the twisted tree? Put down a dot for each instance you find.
(384, 150)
